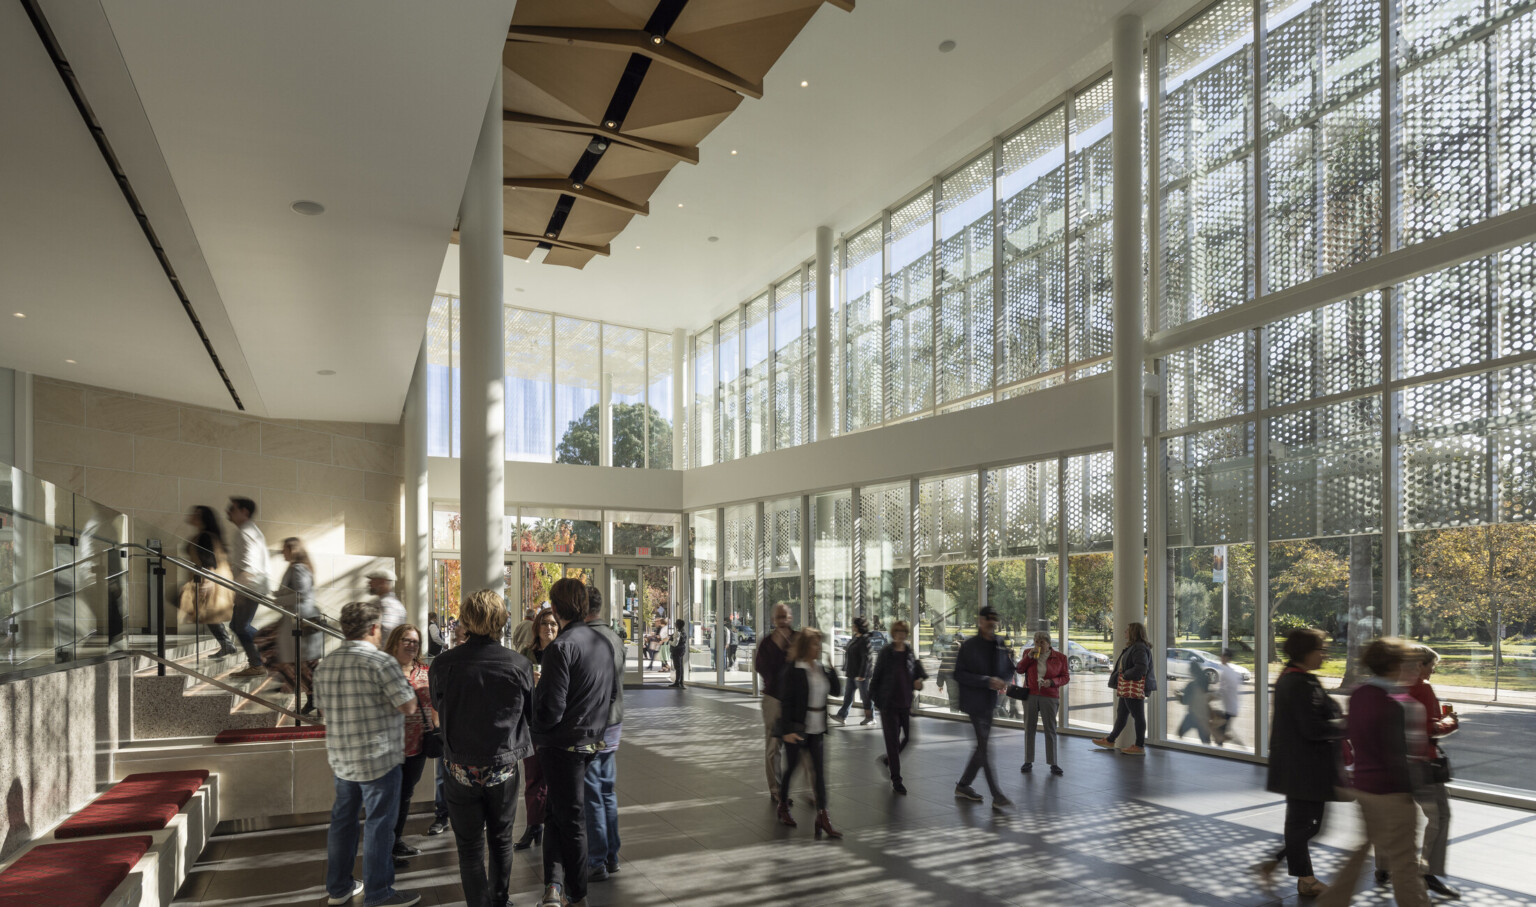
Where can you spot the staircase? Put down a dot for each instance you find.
(181, 705)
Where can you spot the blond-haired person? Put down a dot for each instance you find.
(483, 695)
(805, 687)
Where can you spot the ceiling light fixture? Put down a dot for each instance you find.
(597, 146)
(578, 186)
(550, 234)
(679, 204)
(657, 39)
(326, 371)
(946, 46)
(21, 314)
(70, 361)
(308, 208)
(733, 150)
(611, 124)
(804, 84)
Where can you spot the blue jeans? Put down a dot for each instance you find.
(379, 800)
(862, 685)
(440, 808)
(602, 809)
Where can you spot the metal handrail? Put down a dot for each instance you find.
(241, 589)
(48, 601)
(51, 572)
(228, 688)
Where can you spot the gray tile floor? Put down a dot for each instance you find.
(698, 829)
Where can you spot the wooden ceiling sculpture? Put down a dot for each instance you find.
(602, 98)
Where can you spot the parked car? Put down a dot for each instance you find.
(1179, 665)
(1080, 658)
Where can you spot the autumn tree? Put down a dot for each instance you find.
(1478, 577)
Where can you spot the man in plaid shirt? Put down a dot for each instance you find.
(364, 696)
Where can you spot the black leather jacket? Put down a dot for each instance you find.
(483, 695)
(576, 689)
(796, 690)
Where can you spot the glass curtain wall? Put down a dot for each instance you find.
(781, 560)
(710, 648)
(793, 350)
(556, 370)
(832, 580)
(863, 329)
(740, 604)
(948, 593)
(1087, 494)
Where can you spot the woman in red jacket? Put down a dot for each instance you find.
(1045, 673)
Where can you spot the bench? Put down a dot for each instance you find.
(269, 734)
(93, 873)
(142, 802)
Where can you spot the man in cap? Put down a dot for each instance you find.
(984, 670)
(381, 585)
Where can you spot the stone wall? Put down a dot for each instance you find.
(58, 730)
(337, 485)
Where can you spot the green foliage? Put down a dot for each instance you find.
(582, 439)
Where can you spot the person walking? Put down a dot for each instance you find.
(1387, 734)
(535, 792)
(364, 697)
(984, 669)
(679, 651)
(201, 600)
(248, 559)
(381, 585)
(946, 676)
(603, 771)
(805, 686)
(404, 643)
(1196, 697)
(664, 641)
(570, 716)
(296, 593)
(1133, 680)
(893, 685)
(1229, 685)
(1045, 672)
(1304, 757)
(483, 695)
(857, 662)
(772, 654)
(1430, 794)
(434, 636)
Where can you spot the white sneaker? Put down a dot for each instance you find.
(553, 897)
(357, 889)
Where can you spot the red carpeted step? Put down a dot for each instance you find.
(143, 802)
(265, 734)
(74, 874)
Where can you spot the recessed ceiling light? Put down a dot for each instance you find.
(70, 361)
(657, 39)
(805, 84)
(611, 124)
(733, 150)
(637, 248)
(550, 234)
(946, 46)
(21, 314)
(679, 204)
(326, 371)
(714, 239)
(306, 207)
(577, 186)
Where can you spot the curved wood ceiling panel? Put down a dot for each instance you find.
(603, 98)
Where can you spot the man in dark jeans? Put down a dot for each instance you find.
(483, 695)
(570, 715)
(984, 669)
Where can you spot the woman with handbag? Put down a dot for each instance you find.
(804, 688)
(201, 600)
(405, 644)
(1431, 795)
(1305, 763)
(894, 683)
(535, 787)
(296, 594)
(679, 651)
(1132, 680)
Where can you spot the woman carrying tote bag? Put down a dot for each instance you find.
(1132, 680)
(200, 600)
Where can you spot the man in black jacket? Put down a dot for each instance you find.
(857, 661)
(482, 693)
(984, 670)
(570, 715)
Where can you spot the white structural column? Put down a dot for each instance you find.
(482, 480)
(824, 391)
(605, 421)
(1126, 118)
(679, 399)
(415, 534)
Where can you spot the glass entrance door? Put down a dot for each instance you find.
(641, 602)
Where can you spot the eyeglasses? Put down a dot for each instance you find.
(411, 642)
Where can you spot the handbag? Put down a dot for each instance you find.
(1439, 767)
(1014, 691)
(207, 602)
(1132, 689)
(432, 743)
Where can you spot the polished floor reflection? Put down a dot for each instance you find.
(698, 829)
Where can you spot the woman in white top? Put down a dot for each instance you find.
(804, 688)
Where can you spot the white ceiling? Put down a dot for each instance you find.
(885, 111)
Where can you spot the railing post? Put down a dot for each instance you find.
(156, 581)
(298, 662)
